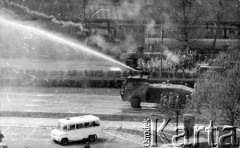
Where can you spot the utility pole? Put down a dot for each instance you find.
(117, 25)
(162, 36)
(84, 15)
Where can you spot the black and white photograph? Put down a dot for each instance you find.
(119, 73)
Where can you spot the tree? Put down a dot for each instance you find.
(88, 15)
(217, 94)
(186, 17)
(216, 9)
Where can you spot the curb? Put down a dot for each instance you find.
(107, 117)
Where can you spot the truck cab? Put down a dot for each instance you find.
(134, 90)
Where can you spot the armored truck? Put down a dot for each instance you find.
(137, 89)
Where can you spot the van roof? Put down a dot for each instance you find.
(79, 119)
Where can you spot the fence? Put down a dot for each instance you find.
(78, 78)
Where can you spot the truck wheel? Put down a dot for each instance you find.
(64, 141)
(135, 102)
(92, 138)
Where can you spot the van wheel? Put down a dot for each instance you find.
(92, 138)
(135, 102)
(64, 141)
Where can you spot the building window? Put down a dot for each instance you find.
(231, 31)
(135, 30)
(219, 32)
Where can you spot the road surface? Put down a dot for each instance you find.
(36, 137)
(58, 102)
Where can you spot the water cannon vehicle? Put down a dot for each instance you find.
(137, 89)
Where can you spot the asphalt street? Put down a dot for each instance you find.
(25, 101)
(17, 135)
(35, 137)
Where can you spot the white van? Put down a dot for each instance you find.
(76, 128)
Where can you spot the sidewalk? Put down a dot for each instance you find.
(131, 127)
(50, 123)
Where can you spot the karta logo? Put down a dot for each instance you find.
(224, 136)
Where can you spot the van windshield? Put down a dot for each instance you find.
(62, 126)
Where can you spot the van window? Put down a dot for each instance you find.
(87, 124)
(72, 127)
(62, 127)
(90, 124)
(96, 123)
(65, 128)
(79, 126)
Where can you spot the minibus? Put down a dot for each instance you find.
(76, 128)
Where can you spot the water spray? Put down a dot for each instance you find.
(61, 39)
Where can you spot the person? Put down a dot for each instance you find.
(87, 145)
(168, 82)
(171, 100)
(1, 136)
(160, 106)
(165, 103)
(187, 99)
(177, 102)
(176, 67)
(2, 145)
(161, 100)
(181, 66)
(205, 59)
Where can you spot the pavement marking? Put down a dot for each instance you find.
(79, 107)
(38, 100)
(21, 126)
(84, 107)
(44, 95)
(122, 138)
(8, 100)
(32, 105)
(108, 141)
(6, 129)
(105, 102)
(30, 134)
(34, 139)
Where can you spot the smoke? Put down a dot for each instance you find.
(171, 56)
(118, 51)
(150, 27)
(129, 10)
(199, 2)
(167, 21)
(101, 43)
(40, 14)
